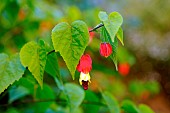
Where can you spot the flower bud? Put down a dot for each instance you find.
(105, 49)
(85, 64)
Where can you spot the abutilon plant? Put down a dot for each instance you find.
(70, 40)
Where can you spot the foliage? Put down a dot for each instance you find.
(37, 75)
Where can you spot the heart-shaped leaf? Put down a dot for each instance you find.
(70, 41)
(34, 57)
(112, 24)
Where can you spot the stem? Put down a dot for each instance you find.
(94, 29)
(50, 52)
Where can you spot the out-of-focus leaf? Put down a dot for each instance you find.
(112, 23)
(27, 82)
(2, 5)
(129, 107)
(119, 88)
(12, 110)
(145, 109)
(10, 13)
(120, 35)
(34, 57)
(136, 87)
(59, 83)
(91, 97)
(125, 56)
(75, 96)
(103, 16)
(74, 13)
(17, 93)
(43, 94)
(152, 86)
(11, 70)
(111, 102)
(71, 42)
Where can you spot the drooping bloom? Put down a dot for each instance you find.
(84, 80)
(124, 69)
(105, 49)
(84, 67)
(85, 64)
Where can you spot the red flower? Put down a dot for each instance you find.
(105, 49)
(85, 64)
(124, 69)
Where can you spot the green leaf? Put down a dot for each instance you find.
(111, 102)
(112, 24)
(145, 109)
(12, 110)
(75, 96)
(17, 92)
(103, 16)
(152, 86)
(114, 52)
(105, 37)
(11, 70)
(71, 42)
(136, 87)
(52, 67)
(129, 107)
(120, 35)
(34, 57)
(27, 82)
(46, 93)
(90, 96)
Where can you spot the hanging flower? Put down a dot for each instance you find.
(85, 64)
(105, 49)
(84, 67)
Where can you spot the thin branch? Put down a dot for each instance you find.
(51, 100)
(94, 29)
(50, 52)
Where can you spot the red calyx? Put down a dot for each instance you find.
(105, 49)
(85, 84)
(124, 69)
(85, 64)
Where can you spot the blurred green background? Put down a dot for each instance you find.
(146, 52)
